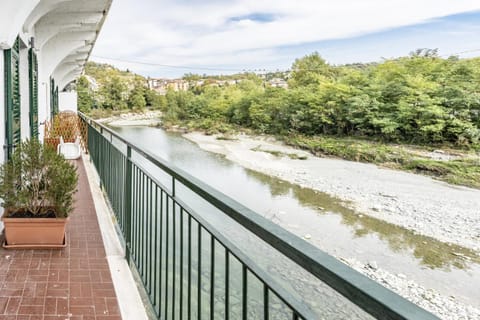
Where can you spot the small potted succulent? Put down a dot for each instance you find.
(37, 187)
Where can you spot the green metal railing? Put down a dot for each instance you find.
(192, 270)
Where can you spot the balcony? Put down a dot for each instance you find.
(72, 283)
(194, 253)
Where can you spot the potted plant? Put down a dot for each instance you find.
(37, 187)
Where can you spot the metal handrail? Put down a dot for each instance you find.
(367, 294)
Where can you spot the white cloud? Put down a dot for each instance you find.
(200, 33)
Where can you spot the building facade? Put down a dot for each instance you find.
(163, 85)
(44, 45)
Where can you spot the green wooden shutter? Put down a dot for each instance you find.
(33, 79)
(12, 98)
(52, 103)
(56, 100)
(53, 98)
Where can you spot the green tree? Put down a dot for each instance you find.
(177, 105)
(421, 98)
(155, 100)
(310, 70)
(114, 94)
(136, 98)
(84, 95)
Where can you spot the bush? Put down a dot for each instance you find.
(37, 181)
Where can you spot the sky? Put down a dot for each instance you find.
(168, 38)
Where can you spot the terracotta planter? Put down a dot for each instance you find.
(31, 233)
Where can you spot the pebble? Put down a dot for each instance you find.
(373, 265)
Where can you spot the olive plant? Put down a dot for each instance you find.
(36, 181)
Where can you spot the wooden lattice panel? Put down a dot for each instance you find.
(66, 124)
(83, 128)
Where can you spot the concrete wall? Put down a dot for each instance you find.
(67, 101)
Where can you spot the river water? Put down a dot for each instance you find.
(323, 220)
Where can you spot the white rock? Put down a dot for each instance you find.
(373, 265)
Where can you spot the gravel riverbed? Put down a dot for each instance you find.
(149, 118)
(429, 299)
(429, 207)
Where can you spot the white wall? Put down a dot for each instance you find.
(13, 14)
(43, 101)
(67, 101)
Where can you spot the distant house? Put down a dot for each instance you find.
(163, 85)
(219, 83)
(278, 83)
(199, 83)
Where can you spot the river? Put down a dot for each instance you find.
(323, 220)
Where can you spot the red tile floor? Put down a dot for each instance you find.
(72, 283)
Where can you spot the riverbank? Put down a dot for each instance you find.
(455, 166)
(445, 307)
(429, 207)
(147, 118)
(426, 206)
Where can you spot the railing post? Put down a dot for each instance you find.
(128, 204)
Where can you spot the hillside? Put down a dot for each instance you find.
(105, 89)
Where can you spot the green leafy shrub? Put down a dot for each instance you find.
(462, 172)
(37, 181)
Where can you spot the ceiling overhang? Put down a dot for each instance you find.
(65, 32)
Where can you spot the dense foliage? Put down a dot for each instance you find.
(420, 99)
(105, 87)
